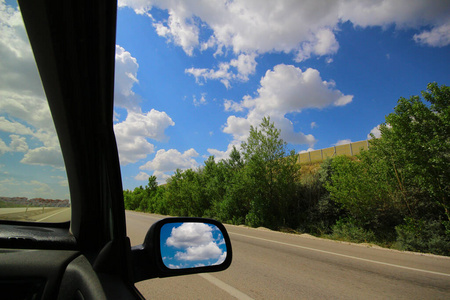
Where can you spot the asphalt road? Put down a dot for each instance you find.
(273, 265)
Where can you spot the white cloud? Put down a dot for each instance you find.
(196, 240)
(142, 176)
(20, 86)
(302, 27)
(375, 131)
(306, 151)
(151, 125)
(402, 13)
(14, 127)
(201, 101)
(203, 252)
(28, 108)
(18, 144)
(132, 134)
(222, 74)
(343, 142)
(170, 160)
(180, 29)
(40, 188)
(161, 177)
(22, 97)
(172, 266)
(313, 125)
(125, 77)
(190, 235)
(245, 65)
(44, 156)
(221, 259)
(51, 189)
(48, 154)
(322, 43)
(437, 37)
(289, 89)
(239, 127)
(230, 105)
(285, 89)
(17, 64)
(219, 155)
(166, 162)
(236, 70)
(3, 147)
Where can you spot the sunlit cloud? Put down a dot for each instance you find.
(343, 142)
(133, 133)
(195, 242)
(303, 28)
(285, 89)
(167, 161)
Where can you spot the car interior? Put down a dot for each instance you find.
(90, 257)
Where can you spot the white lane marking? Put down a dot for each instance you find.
(48, 217)
(226, 287)
(343, 255)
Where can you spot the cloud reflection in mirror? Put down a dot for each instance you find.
(192, 245)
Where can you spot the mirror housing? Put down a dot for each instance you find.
(203, 245)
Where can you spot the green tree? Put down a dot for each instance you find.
(270, 176)
(402, 182)
(238, 193)
(132, 200)
(366, 189)
(147, 203)
(416, 142)
(186, 194)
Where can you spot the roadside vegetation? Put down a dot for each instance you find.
(396, 194)
(4, 204)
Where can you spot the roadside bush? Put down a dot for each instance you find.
(423, 236)
(347, 230)
(325, 212)
(322, 216)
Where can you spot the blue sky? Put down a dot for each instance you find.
(192, 76)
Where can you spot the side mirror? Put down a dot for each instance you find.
(180, 246)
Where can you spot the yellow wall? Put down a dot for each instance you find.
(347, 149)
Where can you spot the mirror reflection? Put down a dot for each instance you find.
(192, 245)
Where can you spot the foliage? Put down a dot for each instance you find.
(416, 143)
(423, 236)
(348, 230)
(270, 175)
(365, 189)
(404, 177)
(4, 204)
(320, 212)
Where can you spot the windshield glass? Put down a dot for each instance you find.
(33, 180)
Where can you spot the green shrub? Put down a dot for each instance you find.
(423, 236)
(347, 230)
